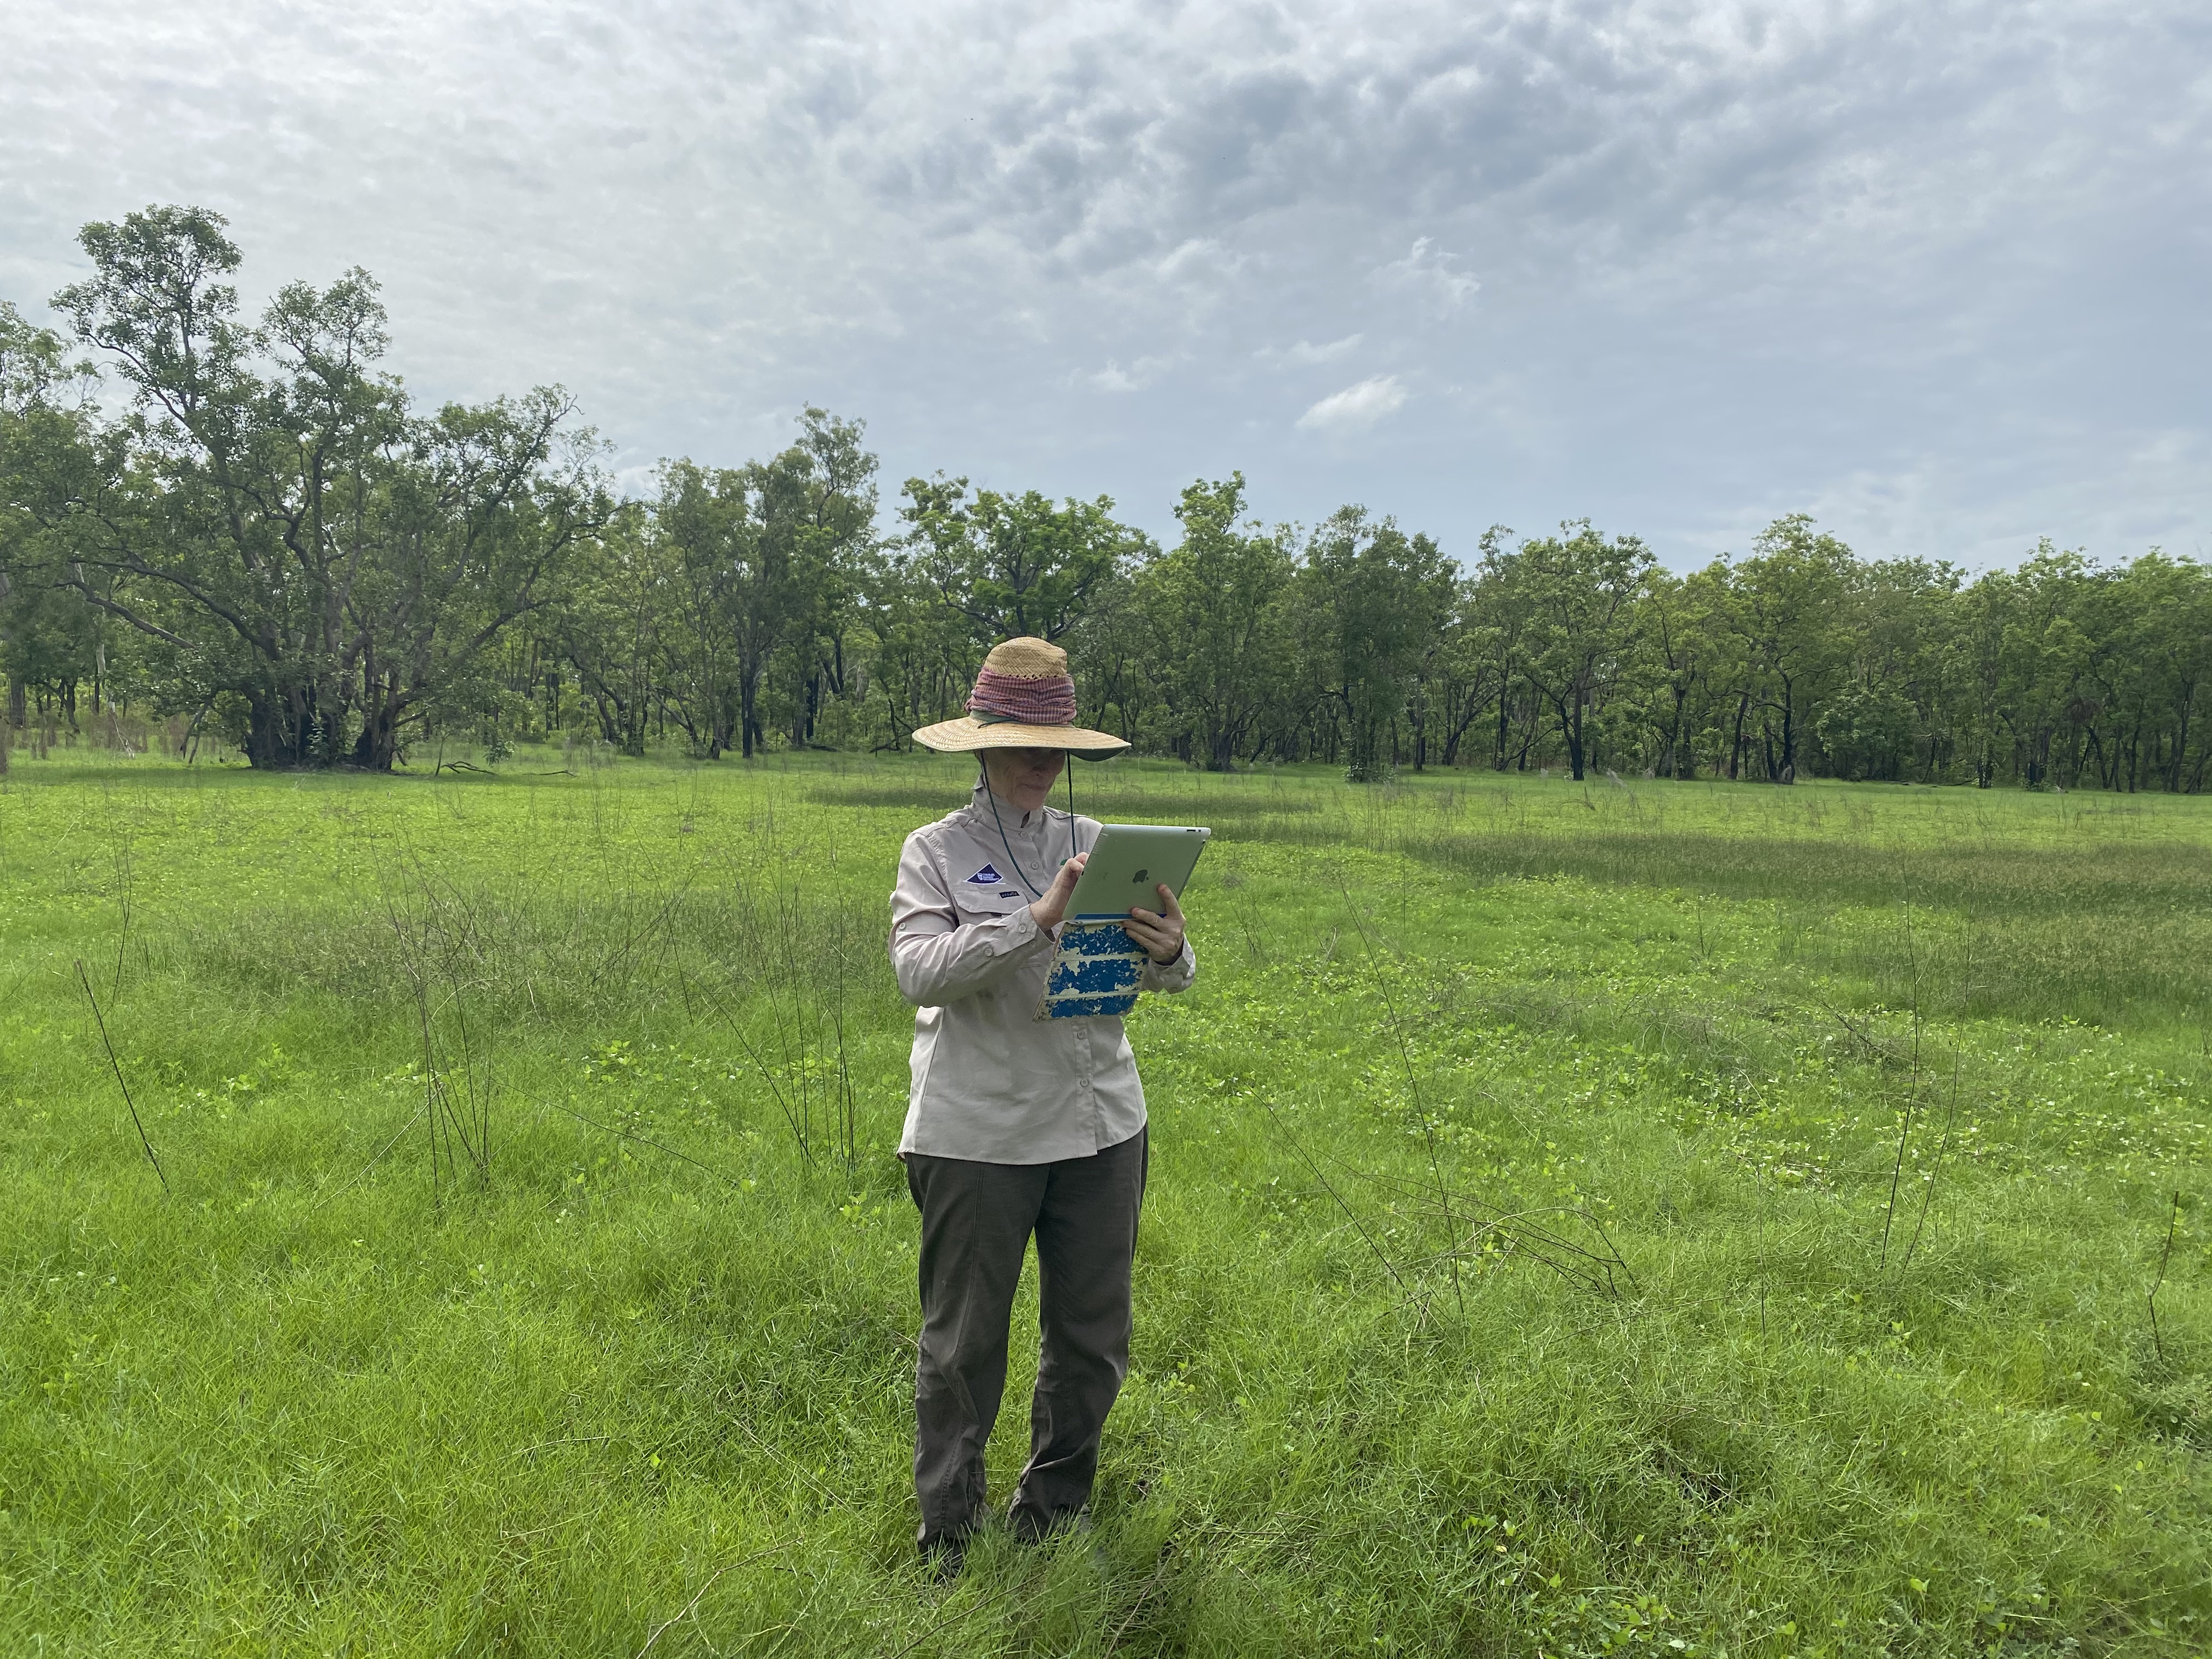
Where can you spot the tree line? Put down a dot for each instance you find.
(267, 542)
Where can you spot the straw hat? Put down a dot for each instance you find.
(1024, 698)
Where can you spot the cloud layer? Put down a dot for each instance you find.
(1935, 273)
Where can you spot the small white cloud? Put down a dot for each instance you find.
(1115, 378)
(1199, 259)
(1305, 352)
(1356, 407)
(1428, 269)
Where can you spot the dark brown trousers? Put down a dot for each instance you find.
(976, 1220)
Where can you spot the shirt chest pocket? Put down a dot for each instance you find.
(991, 883)
(977, 903)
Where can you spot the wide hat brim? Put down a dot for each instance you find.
(957, 737)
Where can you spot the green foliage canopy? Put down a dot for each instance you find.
(269, 540)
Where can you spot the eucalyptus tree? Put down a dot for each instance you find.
(269, 531)
(2135, 716)
(1369, 601)
(762, 575)
(1115, 658)
(2170, 600)
(1015, 564)
(1787, 601)
(1215, 633)
(1470, 671)
(53, 453)
(2037, 655)
(612, 626)
(286, 522)
(718, 611)
(49, 648)
(1686, 658)
(922, 655)
(482, 525)
(820, 495)
(1891, 710)
(1580, 593)
(1466, 680)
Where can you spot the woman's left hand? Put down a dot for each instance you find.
(1159, 932)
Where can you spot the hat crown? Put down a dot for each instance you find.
(1027, 659)
(1024, 698)
(1024, 680)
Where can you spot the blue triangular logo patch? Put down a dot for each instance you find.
(986, 877)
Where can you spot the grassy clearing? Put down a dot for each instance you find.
(1583, 1222)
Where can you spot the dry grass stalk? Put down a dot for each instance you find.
(2173, 1223)
(85, 979)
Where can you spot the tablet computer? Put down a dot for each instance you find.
(1127, 862)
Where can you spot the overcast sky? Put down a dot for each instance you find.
(1936, 274)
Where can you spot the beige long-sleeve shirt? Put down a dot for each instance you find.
(991, 1082)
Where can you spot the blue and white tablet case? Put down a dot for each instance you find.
(1094, 972)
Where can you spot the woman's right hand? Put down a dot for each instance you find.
(1050, 910)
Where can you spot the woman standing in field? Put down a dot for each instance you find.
(1015, 1124)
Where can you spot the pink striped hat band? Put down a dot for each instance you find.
(1047, 702)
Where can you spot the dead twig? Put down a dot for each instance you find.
(1911, 1099)
(114, 1065)
(726, 1566)
(1350, 1214)
(1935, 1169)
(1523, 1236)
(647, 1140)
(2173, 1221)
(939, 1626)
(1152, 1584)
(792, 1120)
(374, 1161)
(1412, 1089)
(638, 936)
(572, 1440)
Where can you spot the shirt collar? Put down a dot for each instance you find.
(1009, 814)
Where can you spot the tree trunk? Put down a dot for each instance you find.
(1674, 768)
(1221, 751)
(267, 742)
(377, 745)
(1788, 773)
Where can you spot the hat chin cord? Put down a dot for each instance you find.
(983, 774)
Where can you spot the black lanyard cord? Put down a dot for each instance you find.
(1035, 891)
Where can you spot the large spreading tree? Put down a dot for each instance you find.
(278, 516)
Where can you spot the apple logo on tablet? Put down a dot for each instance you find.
(1140, 875)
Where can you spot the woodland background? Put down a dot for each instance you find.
(214, 530)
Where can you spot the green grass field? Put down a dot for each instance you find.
(1634, 1219)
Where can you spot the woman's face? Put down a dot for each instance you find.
(1024, 776)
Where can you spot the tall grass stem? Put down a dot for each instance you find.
(114, 1065)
